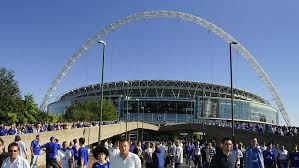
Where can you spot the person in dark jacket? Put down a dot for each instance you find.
(224, 158)
(269, 157)
(138, 151)
(3, 154)
(158, 157)
(205, 156)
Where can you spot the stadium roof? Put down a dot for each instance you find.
(161, 88)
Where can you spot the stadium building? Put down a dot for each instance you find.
(173, 101)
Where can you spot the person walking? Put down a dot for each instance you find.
(253, 157)
(197, 155)
(138, 151)
(101, 154)
(269, 157)
(75, 151)
(64, 155)
(22, 147)
(212, 150)
(82, 154)
(14, 160)
(115, 150)
(242, 149)
(158, 157)
(148, 155)
(225, 158)
(282, 159)
(51, 149)
(238, 153)
(294, 157)
(35, 151)
(179, 154)
(205, 156)
(70, 148)
(189, 151)
(125, 159)
(3, 154)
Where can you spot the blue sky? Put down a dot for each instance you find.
(37, 38)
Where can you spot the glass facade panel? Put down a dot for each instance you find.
(259, 112)
(59, 107)
(183, 110)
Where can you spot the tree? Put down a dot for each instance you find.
(10, 95)
(15, 108)
(89, 110)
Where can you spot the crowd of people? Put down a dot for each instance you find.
(18, 129)
(257, 127)
(150, 154)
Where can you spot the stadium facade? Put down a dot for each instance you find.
(173, 101)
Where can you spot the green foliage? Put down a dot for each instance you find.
(89, 110)
(15, 108)
(9, 94)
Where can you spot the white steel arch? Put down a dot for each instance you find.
(176, 15)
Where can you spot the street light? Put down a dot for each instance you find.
(127, 98)
(102, 88)
(142, 123)
(231, 88)
(137, 119)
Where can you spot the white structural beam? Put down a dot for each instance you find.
(175, 15)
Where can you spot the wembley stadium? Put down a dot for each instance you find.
(173, 101)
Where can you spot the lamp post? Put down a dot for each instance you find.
(137, 119)
(202, 112)
(231, 89)
(127, 98)
(142, 123)
(102, 88)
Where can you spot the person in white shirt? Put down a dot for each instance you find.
(263, 147)
(125, 159)
(22, 147)
(65, 156)
(110, 145)
(148, 155)
(282, 157)
(14, 160)
(178, 154)
(115, 150)
(197, 154)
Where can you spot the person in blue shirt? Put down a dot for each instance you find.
(12, 130)
(75, 150)
(35, 151)
(82, 154)
(294, 157)
(70, 148)
(25, 130)
(101, 154)
(253, 157)
(132, 146)
(143, 146)
(269, 157)
(189, 151)
(51, 152)
(158, 157)
(3, 130)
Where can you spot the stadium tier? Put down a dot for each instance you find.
(173, 101)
